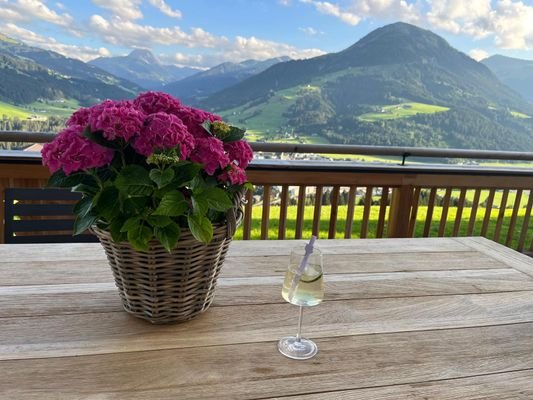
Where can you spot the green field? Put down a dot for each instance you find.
(519, 114)
(267, 117)
(372, 226)
(11, 111)
(39, 110)
(402, 110)
(63, 108)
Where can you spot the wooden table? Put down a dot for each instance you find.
(403, 319)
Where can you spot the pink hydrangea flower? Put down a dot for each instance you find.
(209, 151)
(239, 151)
(72, 152)
(235, 175)
(116, 119)
(193, 119)
(79, 117)
(154, 102)
(163, 131)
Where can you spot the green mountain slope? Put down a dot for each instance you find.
(203, 84)
(515, 73)
(28, 74)
(396, 65)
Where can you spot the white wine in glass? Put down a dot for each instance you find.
(303, 286)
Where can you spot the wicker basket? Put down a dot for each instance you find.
(163, 287)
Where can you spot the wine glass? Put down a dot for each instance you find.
(304, 287)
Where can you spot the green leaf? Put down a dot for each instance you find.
(185, 172)
(159, 221)
(83, 206)
(131, 224)
(199, 205)
(59, 179)
(134, 181)
(168, 235)
(132, 205)
(107, 203)
(198, 184)
(200, 227)
(162, 177)
(217, 199)
(207, 126)
(234, 134)
(140, 238)
(114, 228)
(81, 224)
(86, 189)
(98, 137)
(172, 204)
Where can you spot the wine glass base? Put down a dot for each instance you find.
(302, 349)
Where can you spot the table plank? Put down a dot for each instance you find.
(98, 271)
(514, 259)
(82, 334)
(37, 300)
(343, 246)
(507, 386)
(249, 371)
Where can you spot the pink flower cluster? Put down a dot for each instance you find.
(72, 152)
(163, 131)
(152, 121)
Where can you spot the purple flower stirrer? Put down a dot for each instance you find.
(308, 251)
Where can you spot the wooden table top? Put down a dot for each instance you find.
(441, 318)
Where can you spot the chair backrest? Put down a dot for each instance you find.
(41, 216)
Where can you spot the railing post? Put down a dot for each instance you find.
(400, 211)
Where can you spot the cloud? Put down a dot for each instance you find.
(478, 54)
(31, 38)
(311, 31)
(165, 8)
(130, 34)
(127, 33)
(328, 8)
(27, 10)
(245, 48)
(508, 22)
(126, 9)
(284, 2)
(356, 11)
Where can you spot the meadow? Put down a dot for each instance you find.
(11, 111)
(402, 110)
(372, 226)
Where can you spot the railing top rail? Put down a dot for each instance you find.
(392, 151)
(404, 152)
(29, 157)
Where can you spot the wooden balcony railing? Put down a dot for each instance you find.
(295, 199)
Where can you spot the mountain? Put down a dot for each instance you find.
(514, 72)
(143, 68)
(202, 84)
(399, 85)
(29, 73)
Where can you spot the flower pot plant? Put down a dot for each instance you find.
(162, 186)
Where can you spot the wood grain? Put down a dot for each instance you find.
(16, 301)
(117, 332)
(509, 386)
(434, 318)
(255, 370)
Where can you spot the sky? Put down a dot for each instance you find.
(204, 33)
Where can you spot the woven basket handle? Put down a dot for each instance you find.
(235, 214)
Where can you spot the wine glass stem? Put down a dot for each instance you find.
(298, 335)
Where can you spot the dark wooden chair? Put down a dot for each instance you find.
(41, 216)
